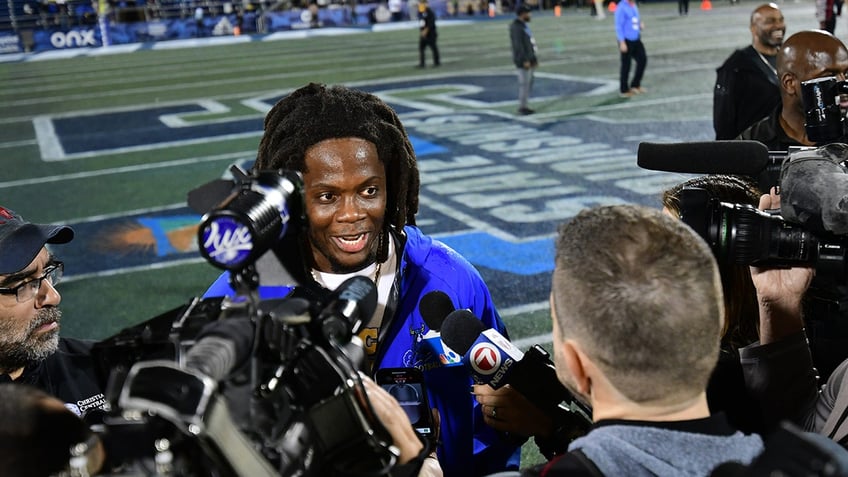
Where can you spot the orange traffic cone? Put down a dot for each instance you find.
(706, 5)
(611, 7)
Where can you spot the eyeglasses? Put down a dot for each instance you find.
(29, 289)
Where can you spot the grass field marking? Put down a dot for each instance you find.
(209, 107)
(127, 169)
(139, 268)
(630, 104)
(250, 99)
(124, 214)
(471, 222)
(24, 143)
(45, 136)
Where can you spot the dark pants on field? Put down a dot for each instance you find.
(635, 51)
(423, 43)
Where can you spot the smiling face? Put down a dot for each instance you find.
(768, 27)
(29, 331)
(345, 196)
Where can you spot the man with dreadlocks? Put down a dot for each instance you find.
(361, 197)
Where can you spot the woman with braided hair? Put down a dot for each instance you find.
(361, 196)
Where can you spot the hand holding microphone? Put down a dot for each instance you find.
(493, 360)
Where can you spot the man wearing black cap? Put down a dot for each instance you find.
(31, 351)
(523, 55)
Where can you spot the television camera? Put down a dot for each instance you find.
(242, 386)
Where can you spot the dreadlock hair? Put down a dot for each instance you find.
(317, 112)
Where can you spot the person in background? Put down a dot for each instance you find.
(803, 56)
(428, 35)
(628, 31)
(523, 55)
(826, 13)
(360, 189)
(747, 87)
(31, 351)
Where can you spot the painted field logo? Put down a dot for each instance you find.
(485, 358)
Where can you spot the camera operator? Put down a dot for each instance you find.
(726, 388)
(804, 56)
(361, 184)
(31, 351)
(637, 314)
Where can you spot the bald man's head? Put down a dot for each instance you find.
(812, 54)
(767, 28)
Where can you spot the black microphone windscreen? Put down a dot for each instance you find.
(238, 330)
(203, 198)
(460, 330)
(712, 157)
(434, 307)
(359, 295)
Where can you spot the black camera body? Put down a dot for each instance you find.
(743, 235)
(824, 119)
(241, 386)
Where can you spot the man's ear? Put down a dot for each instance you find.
(576, 361)
(790, 84)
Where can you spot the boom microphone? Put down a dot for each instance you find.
(347, 307)
(495, 361)
(713, 157)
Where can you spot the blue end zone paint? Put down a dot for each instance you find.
(424, 147)
(484, 250)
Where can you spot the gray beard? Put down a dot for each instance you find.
(30, 349)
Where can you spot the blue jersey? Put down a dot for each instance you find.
(628, 25)
(469, 446)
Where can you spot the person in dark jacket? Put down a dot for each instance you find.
(31, 351)
(746, 88)
(803, 56)
(427, 30)
(523, 55)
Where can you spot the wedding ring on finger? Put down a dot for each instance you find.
(494, 412)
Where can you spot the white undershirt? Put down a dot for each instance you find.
(331, 281)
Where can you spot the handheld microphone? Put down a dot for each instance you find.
(434, 307)
(493, 360)
(347, 308)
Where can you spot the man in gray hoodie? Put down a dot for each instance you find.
(637, 314)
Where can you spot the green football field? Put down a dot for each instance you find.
(110, 141)
(119, 100)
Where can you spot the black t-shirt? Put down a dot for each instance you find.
(69, 374)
